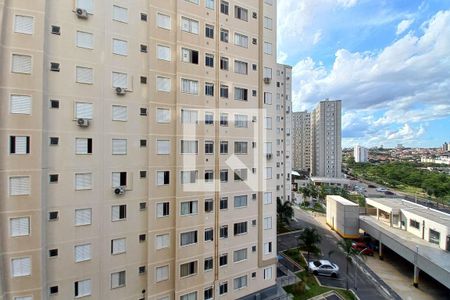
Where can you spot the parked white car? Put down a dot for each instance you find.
(324, 267)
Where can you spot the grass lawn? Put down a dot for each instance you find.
(309, 287)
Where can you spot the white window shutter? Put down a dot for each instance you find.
(19, 186)
(115, 179)
(84, 75)
(23, 298)
(84, 287)
(21, 64)
(120, 14)
(86, 4)
(163, 84)
(120, 47)
(19, 226)
(83, 181)
(119, 113)
(163, 147)
(163, 115)
(119, 246)
(85, 39)
(81, 146)
(164, 52)
(83, 110)
(83, 216)
(163, 21)
(20, 104)
(115, 212)
(82, 252)
(119, 146)
(23, 24)
(21, 266)
(119, 80)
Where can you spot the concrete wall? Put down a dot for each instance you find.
(343, 218)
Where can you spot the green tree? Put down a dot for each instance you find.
(346, 246)
(309, 240)
(285, 212)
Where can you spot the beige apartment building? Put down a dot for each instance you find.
(301, 124)
(134, 148)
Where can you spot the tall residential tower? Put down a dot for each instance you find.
(301, 122)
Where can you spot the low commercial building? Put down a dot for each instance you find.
(339, 182)
(343, 216)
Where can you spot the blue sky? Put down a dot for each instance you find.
(387, 60)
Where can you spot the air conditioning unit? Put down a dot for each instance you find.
(269, 155)
(81, 13)
(83, 122)
(120, 91)
(267, 80)
(120, 190)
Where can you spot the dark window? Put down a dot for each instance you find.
(224, 91)
(209, 234)
(144, 48)
(143, 17)
(208, 294)
(208, 264)
(223, 147)
(54, 103)
(54, 67)
(224, 232)
(209, 60)
(143, 143)
(223, 120)
(223, 288)
(143, 80)
(56, 30)
(16, 145)
(253, 248)
(143, 174)
(224, 35)
(53, 252)
(224, 63)
(209, 175)
(414, 223)
(209, 147)
(142, 237)
(209, 89)
(240, 228)
(54, 290)
(254, 67)
(224, 203)
(253, 274)
(223, 260)
(209, 205)
(223, 175)
(254, 93)
(53, 178)
(142, 206)
(54, 141)
(53, 215)
(209, 31)
(224, 7)
(143, 111)
(141, 269)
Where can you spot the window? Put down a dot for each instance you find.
(209, 89)
(240, 147)
(54, 141)
(119, 179)
(189, 86)
(118, 279)
(240, 255)
(118, 212)
(53, 178)
(267, 248)
(189, 56)
(84, 75)
(85, 40)
(83, 110)
(83, 146)
(144, 17)
(190, 296)
(209, 60)
(188, 269)
(21, 266)
(268, 23)
(162, 273)
(21, 64)
(188, 238)
(53, 290)
(240, 13)
(189, 147)
(240, 228)
(223, 288)
(162, 177)
(189, 176)
(88, 5)
(223, 260)
(224, 64)
(163, 52)
(209, 147)
(83, 216)
(52, 252)
(267, 98)
(119, 146)
(224, 34)
(224, 91)
(267, 223)
(120, 47)
(119, 113)
(209, 118)
(54, 104)
(267, 148)
(223, 147)
(224, 203)
(240, 67)
(267, 72)
(83, 181)
(82, 288)
(19, 144)
(163, 84)
(118, 246)
(223, 119)
(241, 121)
(267, 197)
(268, 173)
(414, 223)
(162, 241)
(163, 21)
(209, 176)
(163, 115)
(241, 40)
(224, 6)
(240, 201)
(240, 94)
(240, 282)
(20, 104)
(268, 123)
(19, 226)
(268, 273)
(224, 175)
(209, 205)
(142, 111)
(268, 48)
(82, 252)
(193, 1)
(120, 14)
(240, 174)
(435, 237)
(223, 232)
(163, 147)
(56, 30)
(189, 25)
(23, 24)
(209, 234)
(189, 208)
(52, 215)
(209, 31)
(119, 80)
(208, 264)
(162, 209)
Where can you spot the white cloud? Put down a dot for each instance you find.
(317, 37)
(403, 26)
(406, 133)
(281, 57)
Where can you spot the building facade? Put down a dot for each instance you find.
(361, 154)
(326, 149)
(301, 123)
(134, 149)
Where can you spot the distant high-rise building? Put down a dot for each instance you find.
(361, 154)
(301, 123)
(326, 151)
(445, 147)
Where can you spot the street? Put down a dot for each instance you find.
(367, 287)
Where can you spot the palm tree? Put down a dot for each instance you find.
(309, 240)
(346, 246)
(285, 212)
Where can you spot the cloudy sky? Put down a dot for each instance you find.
(387, 60)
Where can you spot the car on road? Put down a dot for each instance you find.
(381, 190)
(371, 186)
(324, 267)
(389, 193)
(363, 248)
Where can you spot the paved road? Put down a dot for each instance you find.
(367, 289)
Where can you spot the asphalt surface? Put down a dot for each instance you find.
(366, 287)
